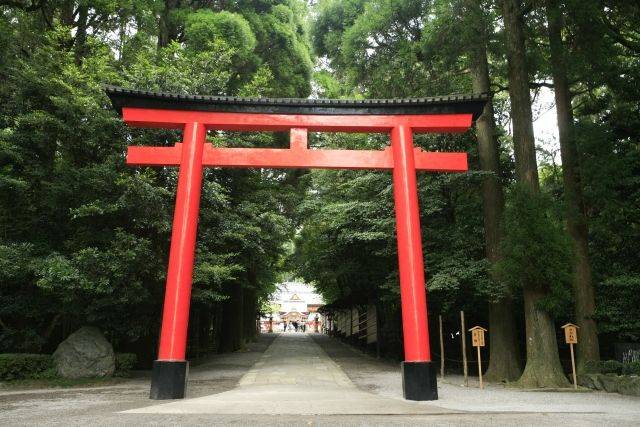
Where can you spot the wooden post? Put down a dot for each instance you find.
(573, 367)
(477, 340)
(571, 338)
(464, 350)
(441, 349)
(480, 369)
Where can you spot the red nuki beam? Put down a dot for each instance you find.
(296, 158)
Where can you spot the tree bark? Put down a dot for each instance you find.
(588, 350)
(521, 116)
(81, 34)
(167, 30)
(504, 362)
(543, 367)
(250, 309)
(232, 320)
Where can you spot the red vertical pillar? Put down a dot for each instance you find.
(418, 374)
(170, 370)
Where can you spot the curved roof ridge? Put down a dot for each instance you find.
(448, 104)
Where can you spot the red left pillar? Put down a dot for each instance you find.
(169, 376)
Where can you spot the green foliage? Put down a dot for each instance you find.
(631, 368)
(20, 366)
(125, 362)
(176, 69)
(204, 27)
(617, 312)
(536, 251)
(593, 367)
(84, 238)
(611, 167)
(611, 367)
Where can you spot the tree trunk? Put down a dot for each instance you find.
(588, 350)
(543, 367)
(250, 309)
(167, 30)
(504, 349)
(521, 116)
(66, 13)
(80, 43)
(504, 361)
(232, 320)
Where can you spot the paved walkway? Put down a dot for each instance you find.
(294, 376)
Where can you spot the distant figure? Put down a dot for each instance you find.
(295, 326)
(284, 327)
(304, 327)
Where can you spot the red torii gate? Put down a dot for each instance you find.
(401, 118)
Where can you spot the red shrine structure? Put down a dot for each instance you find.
(196, 114)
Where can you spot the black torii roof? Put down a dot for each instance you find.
(451, 104)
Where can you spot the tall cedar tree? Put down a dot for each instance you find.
(504, 360)
(543, 367)
(585, 306)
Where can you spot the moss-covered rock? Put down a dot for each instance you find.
(624, 384)
(85, 353)
(591, 381)
(629, 385)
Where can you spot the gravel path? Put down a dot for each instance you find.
(383, 377)
(100, 405)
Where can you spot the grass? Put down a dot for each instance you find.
(59, 383)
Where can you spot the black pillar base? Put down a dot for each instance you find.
(419, 381)
(169, 379)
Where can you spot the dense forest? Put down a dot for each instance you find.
(530, 238)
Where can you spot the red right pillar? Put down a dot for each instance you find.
(418, 373)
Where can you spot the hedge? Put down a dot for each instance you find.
(125, 362)
(20, 366)
(613, 367)
(632, 368)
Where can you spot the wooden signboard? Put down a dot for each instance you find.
(477, 336)
(477, 340)
(570, 333)
(571, 338)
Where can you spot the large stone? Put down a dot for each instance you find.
(85, 353)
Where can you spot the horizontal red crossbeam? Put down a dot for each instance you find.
(176, 119)
(296, 158)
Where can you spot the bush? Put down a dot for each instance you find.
(593, 367)
(612, 367)
(125, 362)
(20, 366)
(632, 368)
